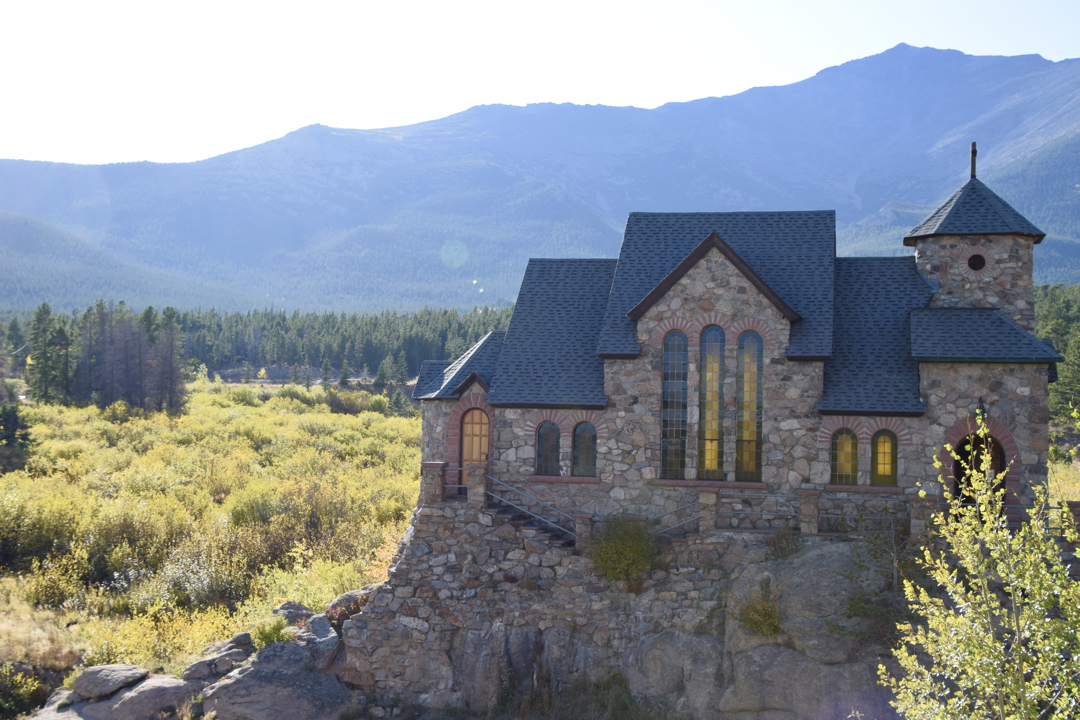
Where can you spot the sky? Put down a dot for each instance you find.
(112, 81)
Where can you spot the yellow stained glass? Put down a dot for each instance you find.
(474, 437)
(845, 458)
(884, 455)
(711, 406)
(748, 431)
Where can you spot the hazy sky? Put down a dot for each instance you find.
(104, 81)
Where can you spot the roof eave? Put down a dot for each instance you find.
(990, 361)
(909, 241)
(465, 383)
(553, 406)
(712, 241)
(873, 413)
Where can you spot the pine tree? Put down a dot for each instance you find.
(1065, 393)
(307, 377)
(14, 438)
(400, 405)
(19, 349)
(401, 369)
(245, 376)
(41, 366)
(385, 372)
(168, 379)
(343, 381)
(327, 373)
(294, 375)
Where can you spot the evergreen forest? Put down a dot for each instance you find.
(110, 353)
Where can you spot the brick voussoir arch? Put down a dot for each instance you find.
(470, 401)
(864, 428)
(967, 426)
(539, 417)
(576, 417)
(713, 317)
(674, 323)
(768, 336)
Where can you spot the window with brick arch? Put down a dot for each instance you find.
(547, 449)
(711, 405)
(883, 458)
(584, 450)
(673, 411)
(844, 454)
(748, 417)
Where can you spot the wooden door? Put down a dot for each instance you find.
(474, 440)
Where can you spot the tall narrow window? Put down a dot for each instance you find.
(547, 449)
(711, 406)
(673, 415)
(748, 441)
(584, 450)
(474, 447)
(845, 458)
(883, 458)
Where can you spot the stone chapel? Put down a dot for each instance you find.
(733, 360)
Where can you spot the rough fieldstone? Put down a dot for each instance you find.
(154, 694)
(102, 680)
(276, 693)
(293, 612)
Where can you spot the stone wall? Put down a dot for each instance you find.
(1005, 282)
(475, 606)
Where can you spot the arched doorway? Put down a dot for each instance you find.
(971, 451)
(474, 442)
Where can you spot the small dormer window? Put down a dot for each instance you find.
(976, 262)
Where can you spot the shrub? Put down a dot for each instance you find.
(19, 692)
(623, 550)
(270, 632)
(759, 613)
(378, 404)
(781, 543)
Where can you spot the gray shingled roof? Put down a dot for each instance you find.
(974, 209)
(430, 372)
(549, 355)
(871, 370)
(793, 253)
(445, 382)
(974, 335)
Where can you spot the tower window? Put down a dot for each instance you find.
(976, 262)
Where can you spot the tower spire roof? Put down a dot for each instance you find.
(974, 209)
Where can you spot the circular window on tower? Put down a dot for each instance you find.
(975, 266)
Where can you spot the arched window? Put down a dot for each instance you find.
(748, 438)
(971, 451)
(673, 414)
(845, 458)
(711, 406)
(584, 450)
(474, 437)
(547, 449)
(883, 458)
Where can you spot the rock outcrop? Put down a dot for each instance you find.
(475, 606)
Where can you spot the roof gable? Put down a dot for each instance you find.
(447, 380)
(792, 253)
(974, 209)
(713, 241)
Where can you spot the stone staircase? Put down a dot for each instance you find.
(531, 528)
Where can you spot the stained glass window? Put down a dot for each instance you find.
(711, 406)
(584, 450)
(883, 458)
(673, 412)
(845, 458)
(547, 449)
(748, 424)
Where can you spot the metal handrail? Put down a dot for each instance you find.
(669, 512)
(529, 512)
(672, 527)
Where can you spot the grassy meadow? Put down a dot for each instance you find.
(142, 537)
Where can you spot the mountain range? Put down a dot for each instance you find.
(447, 212)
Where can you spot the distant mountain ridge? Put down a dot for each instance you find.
(403, 217)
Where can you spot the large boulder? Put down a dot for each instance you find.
(157, 694)
(275, 692)
(103, 680)
(293, 612)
